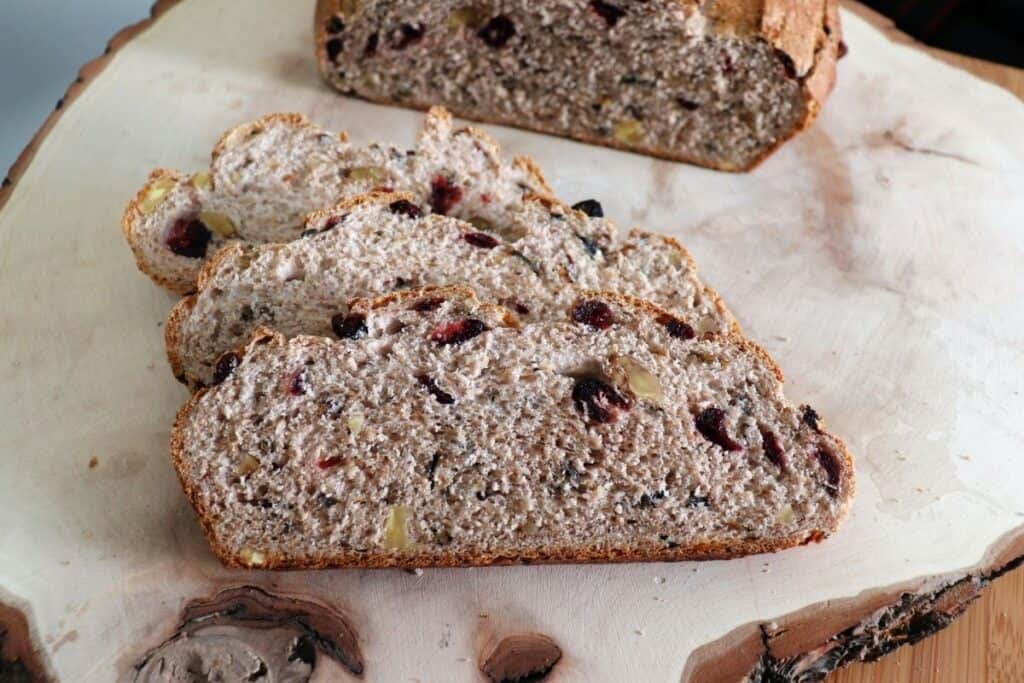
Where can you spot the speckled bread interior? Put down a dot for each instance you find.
(374, 244)
(267, 174)
(446, 433)
(719, 83)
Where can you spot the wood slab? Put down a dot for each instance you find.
(876, 257)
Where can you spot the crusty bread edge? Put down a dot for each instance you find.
(129, 220)
(701, 550)
(816, 86)
(465, 293)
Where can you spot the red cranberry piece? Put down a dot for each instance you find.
(330, 462)
(591, 207)
(457, 331)
(443, 195)
(226, 364)
(676, 328)
(830, 464)
(297, 383)
(772, 448)
(607, 11)
(426, 305)
(595, 313)
(480, 239)
(498, 31)
(188, 237)
(711, 425)
(408, 34)
(370, 49)
(442, 397)
(333, 222)
(405, 208)
(811, 418)
(597, 400)
(485, 198)
(334, 48)
(349, 326)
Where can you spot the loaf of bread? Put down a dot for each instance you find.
(444, 433)
(267, 174)
(378, 243)
(718, 83)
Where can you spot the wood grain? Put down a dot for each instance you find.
(985, 644)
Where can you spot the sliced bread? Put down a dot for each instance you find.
(381, 242)
(718, 83)
(266, 175)
(446, 434)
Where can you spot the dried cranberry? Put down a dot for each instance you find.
(457, 331)
(480, 239)
(711, 425)
(188, 237)
(597, 400)
(408, 34)
(226, 364)
(830, 464)
(333, 222)
(843, 49)
(591, 207)
(595, 313)
(772, 448)
(334, 48)
(370, 49)
(811, 418)
(297, 383)
(426, 305)
(498, 31)
(676, 328)
(349, 326)
(405, 208)
(485, 198)
(607, 11)
(442, 397)
(335, 25)
(327, 463)
(443, 195)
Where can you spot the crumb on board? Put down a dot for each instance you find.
(93, 461)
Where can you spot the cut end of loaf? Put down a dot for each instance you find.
(719, 85)
(443, 434)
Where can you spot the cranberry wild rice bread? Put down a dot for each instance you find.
(266, 175)
(446, 434)
(720, 83)
(373, 244)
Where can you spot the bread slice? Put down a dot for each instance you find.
(266, 175)
(718, 83)
(377, 243)
(446, 434)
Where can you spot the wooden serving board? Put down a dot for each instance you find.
(877, 257)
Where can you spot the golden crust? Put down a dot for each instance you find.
(244, 130)
(807, 31)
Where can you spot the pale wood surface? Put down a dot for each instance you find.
(872, 233)
(987, 642)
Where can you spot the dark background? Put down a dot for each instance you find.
(987, 29)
